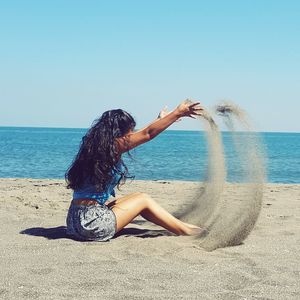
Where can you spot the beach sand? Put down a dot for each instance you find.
(38, 260)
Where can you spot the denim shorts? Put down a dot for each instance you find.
(91, 222)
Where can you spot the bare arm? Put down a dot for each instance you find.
(146, 134)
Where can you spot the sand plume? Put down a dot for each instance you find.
(229, 218)
(205, 202)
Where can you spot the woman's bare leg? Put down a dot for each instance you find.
(130, 206)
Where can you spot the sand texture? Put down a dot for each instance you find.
(38, 260)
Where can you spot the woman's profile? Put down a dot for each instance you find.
(98, 168)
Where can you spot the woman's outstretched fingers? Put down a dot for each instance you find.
(194, 104)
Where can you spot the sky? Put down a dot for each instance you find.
(64, 62)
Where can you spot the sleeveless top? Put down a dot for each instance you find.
(89, 191)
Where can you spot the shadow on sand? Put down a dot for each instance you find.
(60, 232)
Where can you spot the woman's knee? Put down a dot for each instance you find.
(147, 199)
(144, 197)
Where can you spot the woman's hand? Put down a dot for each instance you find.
(189, 108)
(165, 112)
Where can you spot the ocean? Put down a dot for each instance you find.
(173, 155)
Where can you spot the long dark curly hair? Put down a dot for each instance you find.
(98, 157)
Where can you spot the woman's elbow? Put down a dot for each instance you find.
(147, 137)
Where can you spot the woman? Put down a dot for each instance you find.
(98, 168)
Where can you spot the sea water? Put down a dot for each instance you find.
(173, 155)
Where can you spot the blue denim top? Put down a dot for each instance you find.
(89, 191)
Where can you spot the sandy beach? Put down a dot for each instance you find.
(38, 260)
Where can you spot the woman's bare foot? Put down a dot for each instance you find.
(194, 230)
(190, 225)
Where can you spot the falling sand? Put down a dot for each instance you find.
(205, 202)
(228, 222)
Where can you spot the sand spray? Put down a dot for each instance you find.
(205, 201)
(228, 218)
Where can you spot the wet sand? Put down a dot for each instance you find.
(38, 260)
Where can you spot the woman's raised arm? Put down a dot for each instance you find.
(134, 139)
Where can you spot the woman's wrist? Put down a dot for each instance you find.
(177, 113)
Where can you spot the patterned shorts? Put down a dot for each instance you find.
(91, 223)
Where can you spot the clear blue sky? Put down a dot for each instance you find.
(65, 62)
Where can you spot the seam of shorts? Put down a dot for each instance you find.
(115, 217)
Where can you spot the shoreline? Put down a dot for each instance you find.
(144, 180)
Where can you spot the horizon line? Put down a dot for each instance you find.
(85, 128)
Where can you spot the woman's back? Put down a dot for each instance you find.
(89, 191)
